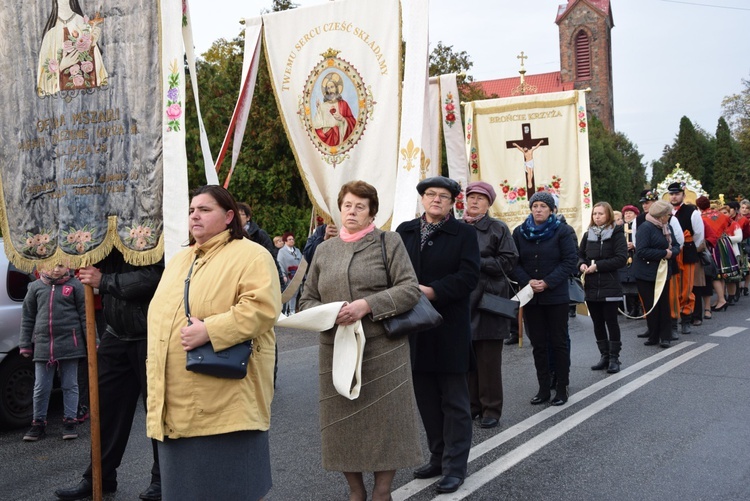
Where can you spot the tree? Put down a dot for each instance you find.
(687, 149)
(617, 174)
(726, 165)
(444, 60)
(737, 114)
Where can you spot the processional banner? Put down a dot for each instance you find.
(92, 119)
(525, 144)
(335, 69)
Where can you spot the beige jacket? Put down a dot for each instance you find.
(235, 290)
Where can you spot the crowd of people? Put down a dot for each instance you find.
(665, 262)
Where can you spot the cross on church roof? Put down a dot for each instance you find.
(522, 57)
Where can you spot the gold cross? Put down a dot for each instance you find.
(522, 57)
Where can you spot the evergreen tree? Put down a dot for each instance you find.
(726, 166)
(687, 149)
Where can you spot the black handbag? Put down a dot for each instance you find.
(420, 318)
(498, 305)
(575, 290)
(229, 364)
(709, 265)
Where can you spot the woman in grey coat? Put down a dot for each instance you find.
(498, 256)
(378, 430)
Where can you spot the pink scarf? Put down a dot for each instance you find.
(353, 237)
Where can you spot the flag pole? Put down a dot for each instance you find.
(96, 446)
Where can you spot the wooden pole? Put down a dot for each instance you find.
(96, 445)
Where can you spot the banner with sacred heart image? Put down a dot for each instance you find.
(93, 112)
(335, 69)
(532, 143)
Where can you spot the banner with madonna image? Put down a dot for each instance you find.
(335, 70)
(531, 143)
(93, 115)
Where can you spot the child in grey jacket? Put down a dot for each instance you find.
(54, 316)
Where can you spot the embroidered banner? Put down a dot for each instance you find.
(529, 143)
(335, 70)
(94, 94)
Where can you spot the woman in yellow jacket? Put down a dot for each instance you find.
(213, 432)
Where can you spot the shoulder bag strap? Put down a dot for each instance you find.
(187, 291)
(385, 260)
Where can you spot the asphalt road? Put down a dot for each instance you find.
(673, 425)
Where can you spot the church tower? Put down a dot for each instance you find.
(586, 53)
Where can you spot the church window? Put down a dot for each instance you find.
(583, 56)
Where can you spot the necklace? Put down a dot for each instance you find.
(66, 21)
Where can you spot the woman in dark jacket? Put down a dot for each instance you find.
(498, 256)
(602, 252)
(655, 242)
(445, 256)
(546, 258)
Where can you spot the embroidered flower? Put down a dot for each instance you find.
(78, 80)
(83, 44)
(87, 66)
(450, 117)
(174, 111)
(75, 70)
(173, 94)
(53, 66)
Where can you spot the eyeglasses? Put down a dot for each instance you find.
(431, 195)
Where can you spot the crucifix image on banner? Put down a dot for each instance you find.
(527, 145)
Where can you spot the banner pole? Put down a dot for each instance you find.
(96, 446)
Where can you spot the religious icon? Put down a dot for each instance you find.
(333, 119)
(335, 107)
(70, 58)
(527, 147)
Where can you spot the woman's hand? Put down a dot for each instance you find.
(587, 270)
(195, 335)
(538, 285)
(669, 254)
(351, 312)
(428, 291)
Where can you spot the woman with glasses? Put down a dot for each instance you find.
(445, 256)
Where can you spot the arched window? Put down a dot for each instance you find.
(583, 56)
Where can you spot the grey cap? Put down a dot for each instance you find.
(439, 182)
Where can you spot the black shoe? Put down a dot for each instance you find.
(723, 307)
(572, 313)
(666, 344)
(745, 292)
(651, 343)
(36, 431)
(153, 493)
(428, 471)
(70, 431)
(511, 340)
(561, 397)
(540, 398)
(449, 484)
(488, 422)
(644, 335)
(81, 491)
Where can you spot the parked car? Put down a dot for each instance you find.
(16, 372)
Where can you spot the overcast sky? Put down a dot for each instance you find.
(670, 58)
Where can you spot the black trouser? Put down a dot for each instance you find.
(659, 321)
(604, 316)
(122, 382)
(547, 326)
(443, 402)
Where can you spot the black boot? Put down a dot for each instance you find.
(604, 360)
(685, 325)
(513, 339)
(561, 394)
(544, 391)
(614, 357)
(675, 337)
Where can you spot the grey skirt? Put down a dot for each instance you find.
(230, 466)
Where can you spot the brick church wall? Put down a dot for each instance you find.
(600, 100)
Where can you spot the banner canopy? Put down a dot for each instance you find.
(335, 69)
(531, 143)
(92, 110)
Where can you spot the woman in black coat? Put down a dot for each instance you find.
(655, 242)
(498, 256)
(546, 258)
(602, 252)
(445, 256)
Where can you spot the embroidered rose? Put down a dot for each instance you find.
(75, 70)
(521, 192)
(78, 80)
(67, 46)
(174, 111)
(87, 66)
(512, 195)
(53, 66)
(83, 44)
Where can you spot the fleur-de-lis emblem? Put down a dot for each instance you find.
(424, 166)
(410, 154)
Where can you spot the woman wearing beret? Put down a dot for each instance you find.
(656, 241)
(602, 252)
(546, 258)
(498, 255)
(445, 256)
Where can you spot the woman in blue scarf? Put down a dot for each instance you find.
(546, 258)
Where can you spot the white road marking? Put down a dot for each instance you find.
(491, 471)
(728, 331)
(417, 485)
